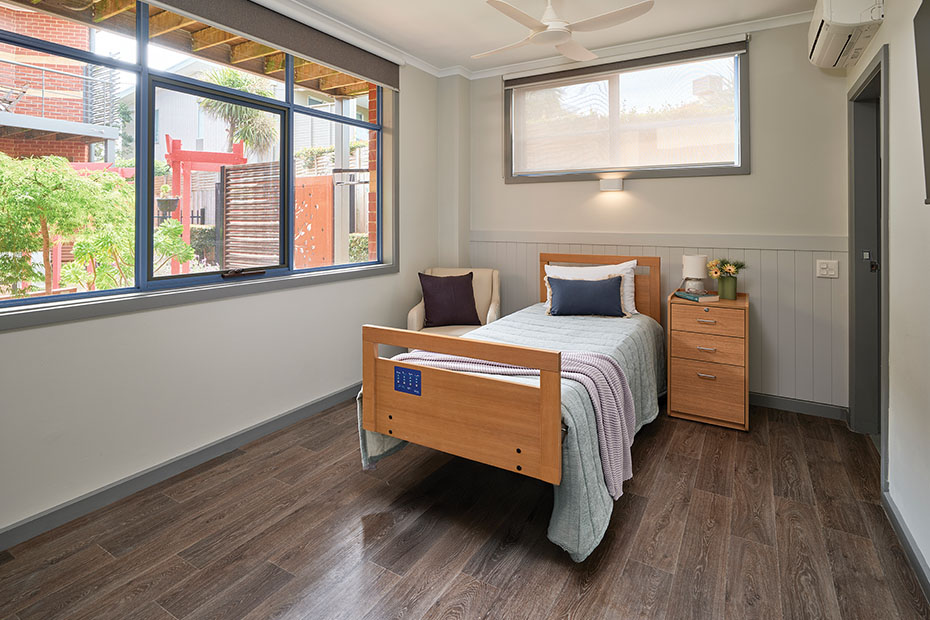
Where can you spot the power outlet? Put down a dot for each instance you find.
(828, 269)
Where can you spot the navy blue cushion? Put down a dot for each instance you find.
(597, 297)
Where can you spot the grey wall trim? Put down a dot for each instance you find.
(879, 65)
(654, 60)
(756, 242)
(914, 556)
(822, 410)
(53, 517)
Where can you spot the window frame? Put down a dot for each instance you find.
(151, 293)
(741, 52)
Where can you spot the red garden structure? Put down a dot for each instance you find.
(182, 163)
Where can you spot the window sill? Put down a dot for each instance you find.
(67, 310)
(651, 173)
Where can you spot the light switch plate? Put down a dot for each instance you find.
(828, 269)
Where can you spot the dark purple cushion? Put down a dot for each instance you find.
(449, 300)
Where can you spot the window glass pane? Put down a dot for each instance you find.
(321, 88)
(187, 47)
(67, 197)
(679, 114)
(107, 29)
(335, 204)
(563, 128)
(673, 115)
(217, 186)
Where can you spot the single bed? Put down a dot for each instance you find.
(542, 426)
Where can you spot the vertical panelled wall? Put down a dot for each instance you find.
(798, 322)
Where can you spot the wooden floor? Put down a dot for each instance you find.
(781, 522)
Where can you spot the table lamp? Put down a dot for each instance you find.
(694, 270)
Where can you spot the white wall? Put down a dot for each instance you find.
(780, 219)
(85, 404)
(453, 158)
(909, 255)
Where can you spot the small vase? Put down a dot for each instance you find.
(726, 287)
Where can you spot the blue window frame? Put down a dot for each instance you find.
(149, 127)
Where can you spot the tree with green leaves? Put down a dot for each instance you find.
(254, 128)
(44, 199)
(41, 199)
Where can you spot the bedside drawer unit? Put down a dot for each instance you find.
(708, 357)
(714, 391)
(708, 348)
(707, 320)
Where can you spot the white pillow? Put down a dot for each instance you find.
(599, 272)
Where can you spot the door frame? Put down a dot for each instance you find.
(877, 68)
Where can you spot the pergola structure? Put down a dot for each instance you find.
(190, 36)
(182, 164)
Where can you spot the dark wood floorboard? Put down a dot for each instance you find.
(806, 581)
(781, 522)
(861, 590)
(752, 581)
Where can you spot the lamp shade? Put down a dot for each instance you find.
(694, 266)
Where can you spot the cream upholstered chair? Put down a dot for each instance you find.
(485, 283)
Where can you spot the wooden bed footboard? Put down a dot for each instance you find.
(509, 425)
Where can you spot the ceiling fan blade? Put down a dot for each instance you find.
(575, 51)
(503, 49)
(517, 15)
(612, 18)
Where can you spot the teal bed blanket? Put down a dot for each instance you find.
(582, 504)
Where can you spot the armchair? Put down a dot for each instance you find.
(486, 285)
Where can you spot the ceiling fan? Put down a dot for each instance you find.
(553, 30)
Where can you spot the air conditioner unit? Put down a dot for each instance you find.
(841, 30)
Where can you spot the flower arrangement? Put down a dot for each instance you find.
(724, 271)
(724, 268)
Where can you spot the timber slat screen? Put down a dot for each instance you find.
(252, 215)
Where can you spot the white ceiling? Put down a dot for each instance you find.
(445, 33)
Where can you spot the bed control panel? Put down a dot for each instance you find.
(407, 380)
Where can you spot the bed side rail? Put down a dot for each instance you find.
(509, 425)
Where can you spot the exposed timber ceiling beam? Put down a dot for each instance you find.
(210, 37)
(166, 22)
(105, 9)
(249, 51)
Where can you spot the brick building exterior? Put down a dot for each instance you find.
(64, 95)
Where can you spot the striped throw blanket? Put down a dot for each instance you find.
(605, 383)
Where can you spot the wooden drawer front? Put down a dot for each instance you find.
(708, 320)
(694, 391)
(708, 348)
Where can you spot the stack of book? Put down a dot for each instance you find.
(700, 298)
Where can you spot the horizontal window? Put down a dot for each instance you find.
(664, 119)
(217, 157)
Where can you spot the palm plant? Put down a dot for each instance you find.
(254, 128)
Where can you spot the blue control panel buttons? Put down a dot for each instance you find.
(407, 380)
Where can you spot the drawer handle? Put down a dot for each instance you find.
(707, 349)
(708, 321)
(703, 376)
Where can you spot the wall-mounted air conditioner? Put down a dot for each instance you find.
(841, 30)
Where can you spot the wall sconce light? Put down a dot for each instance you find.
(611, 185)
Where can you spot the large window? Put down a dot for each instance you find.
(165, 152)
(671, 118)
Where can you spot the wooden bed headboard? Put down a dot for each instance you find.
(648, 285)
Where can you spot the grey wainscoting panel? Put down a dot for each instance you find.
(798, 322)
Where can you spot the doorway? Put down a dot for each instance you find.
(868, 254)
